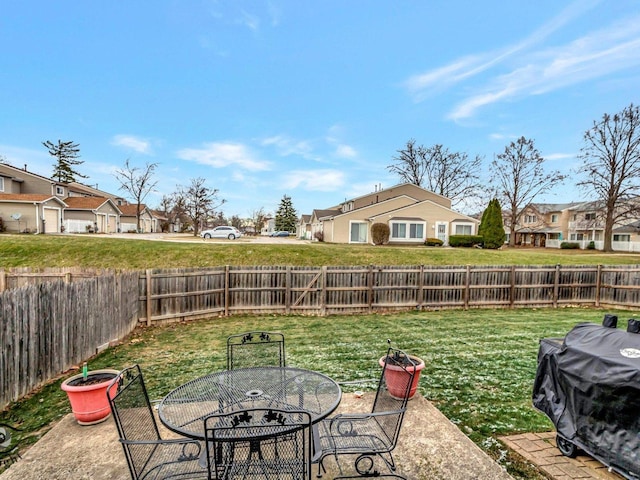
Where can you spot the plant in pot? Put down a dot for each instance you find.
(397, 363)
(87, 393)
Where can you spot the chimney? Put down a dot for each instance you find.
(25, 167)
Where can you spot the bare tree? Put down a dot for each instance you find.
(171, 206)
(611, 167)
(453, 175)
(199, 202)
(137, 182)
(258, 217)
(409, 164)
(520, 177)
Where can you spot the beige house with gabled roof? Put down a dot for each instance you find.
(412, 213)
(31, 212)
(91, 214)
(128, 222)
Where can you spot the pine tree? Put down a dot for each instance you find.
(491, 226)
(67, 154)
(286, 216)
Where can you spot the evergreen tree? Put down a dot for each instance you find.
(491, 226)
(286, 216)
(67, 154)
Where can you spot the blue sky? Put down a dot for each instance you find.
(311, 99)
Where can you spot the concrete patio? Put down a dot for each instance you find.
(431, 448)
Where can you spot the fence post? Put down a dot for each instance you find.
(3, 280)
(420, 298)
(226, 290)
(467, 287)
(149, 290)
(556, 286)
(323, 300)
(287, 291)
(598, 284)
(512, 289)
(370, 288)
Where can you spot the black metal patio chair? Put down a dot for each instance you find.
(255, 349)
(259, 443)
(370, 436)
(149, 456)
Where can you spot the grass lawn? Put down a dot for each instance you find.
(102, 251)
(480, 364)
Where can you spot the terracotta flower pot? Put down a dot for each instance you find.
(88, 398)
(395, 379)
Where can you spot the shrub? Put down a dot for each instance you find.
(433, 242)
(592, 245)
(2, 227)
(319, 236)
(380, 233)
(491, 227)
(570, 245)
(465, 240)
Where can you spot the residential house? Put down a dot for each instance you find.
(412, 213)
(303, 229)
(548, 225)
(128, 221)
(29, 202)
(91, 214)
(544, 224)
(31, 212)
(626, 238)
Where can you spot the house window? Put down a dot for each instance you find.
(530, 219)
(59, 190)
(463, 230)
(398, 230)
(1, 184)
(358, 232)
(577, 237)
(554, 218)
(621, 238)
(407, 230)
(589, 216)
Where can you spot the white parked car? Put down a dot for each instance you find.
(221, 232)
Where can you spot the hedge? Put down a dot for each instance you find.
(465, 240)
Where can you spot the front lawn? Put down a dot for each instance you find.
(480, 364)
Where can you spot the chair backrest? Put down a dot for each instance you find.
(261, 443)
(134, 418)
(393, 392)
(255, 349)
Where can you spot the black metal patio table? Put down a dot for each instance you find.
(184, 409)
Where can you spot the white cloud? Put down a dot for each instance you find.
(595, 55)
(346, 151)
(287, 146)
(132, 142)
(520, 70)
(221, 155)
(502, 136)
(559, 156)
(315, 180)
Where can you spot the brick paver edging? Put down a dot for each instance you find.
(540, 449)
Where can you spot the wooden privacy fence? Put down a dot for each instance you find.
(167, 295)
(46, 328)
(18, 276)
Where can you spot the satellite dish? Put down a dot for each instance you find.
(16, 216)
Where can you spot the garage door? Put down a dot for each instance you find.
(51, 220)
